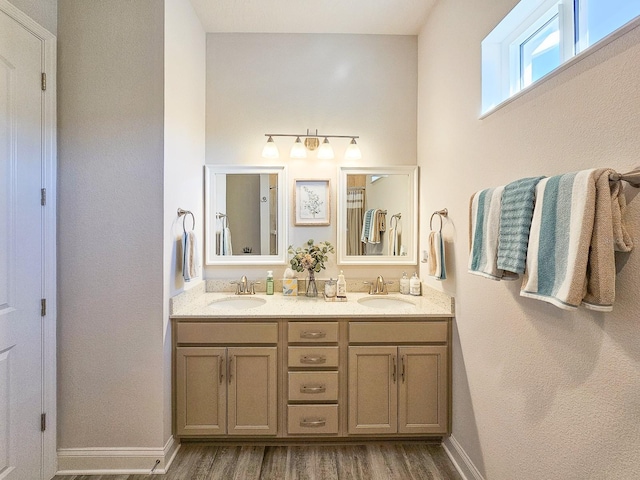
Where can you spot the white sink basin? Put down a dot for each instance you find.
(385, 303)
(238, 303)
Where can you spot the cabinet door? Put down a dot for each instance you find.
(252, 391)
(423, 389)
(373, 390)
(200, 391)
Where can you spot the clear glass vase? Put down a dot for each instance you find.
(312, 288)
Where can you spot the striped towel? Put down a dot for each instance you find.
(515, 222)
(190, 256)
(484, 221)
(436, 260)
(572, 241)
(369, 227)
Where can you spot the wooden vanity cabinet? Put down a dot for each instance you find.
(396, 388)
(227, 389)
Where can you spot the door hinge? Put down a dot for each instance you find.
(43, 422)
(43, 307)
(43, 196)
(44, 81)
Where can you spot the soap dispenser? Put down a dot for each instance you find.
(341, 286)
(404, 284)
(414, 285)
(270, 282)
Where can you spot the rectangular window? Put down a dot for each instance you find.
(538, 36)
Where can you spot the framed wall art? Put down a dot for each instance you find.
(311, 202)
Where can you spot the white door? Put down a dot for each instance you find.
(21, 245)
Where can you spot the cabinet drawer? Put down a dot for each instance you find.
(313, 357)
(397, 332)
(312, 419)
(313, 386)
(313, 332)
(220, 332)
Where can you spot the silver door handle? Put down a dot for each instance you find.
(313, 334)
(403, 368)
(313, 388)
(308, 422)
(313, 360)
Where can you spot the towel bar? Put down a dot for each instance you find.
(632, 177)
(182, 212)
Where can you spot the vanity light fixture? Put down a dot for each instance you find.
(311, 143)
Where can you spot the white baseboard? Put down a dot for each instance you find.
(117, 461)
(460, 459)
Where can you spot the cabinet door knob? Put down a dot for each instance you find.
(313, 422)
(313, 388)
(313, 334)
(317, 360)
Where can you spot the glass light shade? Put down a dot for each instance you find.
(298, 150)
(325, 152)
(353, 151)
(270, 150)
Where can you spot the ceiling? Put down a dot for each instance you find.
(383, 17)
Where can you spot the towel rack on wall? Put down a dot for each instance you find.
(441, 213)
(184, 213)
(632, 177)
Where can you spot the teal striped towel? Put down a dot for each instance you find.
(576, 227)
(484, 217)
(516, 213)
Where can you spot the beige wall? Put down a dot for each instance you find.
(110, 224)
(362, 85)
(538, 393)
(184, 99)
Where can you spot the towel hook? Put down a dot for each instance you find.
(441, 213)
(184, 213)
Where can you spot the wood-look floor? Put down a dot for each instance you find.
(415, 461)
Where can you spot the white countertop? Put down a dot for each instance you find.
(197, 304)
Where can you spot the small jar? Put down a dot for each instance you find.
(330, 288)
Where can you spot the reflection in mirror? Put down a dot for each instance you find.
(245, 214)
(377, 215)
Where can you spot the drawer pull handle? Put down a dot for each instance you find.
(313, 360)
(313, 334)
(313, 422)
(313, 388)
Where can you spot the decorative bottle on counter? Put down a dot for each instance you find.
(414, 285)
(404, 284)
(341, 286)
(270, 282)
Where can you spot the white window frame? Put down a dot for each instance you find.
(501, 72)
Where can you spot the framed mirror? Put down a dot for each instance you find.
(245, 212)
(377, 215)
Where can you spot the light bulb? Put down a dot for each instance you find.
(270, 150)
(325, 152)
(298, 150)
(353, 151)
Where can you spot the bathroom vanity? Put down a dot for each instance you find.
(274, 367)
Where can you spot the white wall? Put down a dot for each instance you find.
(184, 121)
(538, 393)
(42, 11)
(362, 85)
(110, 230)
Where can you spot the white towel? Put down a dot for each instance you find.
(225, 242)
(190, 256)
(484, 221)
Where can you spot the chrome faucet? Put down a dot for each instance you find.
(244, 287)
(378, 287)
